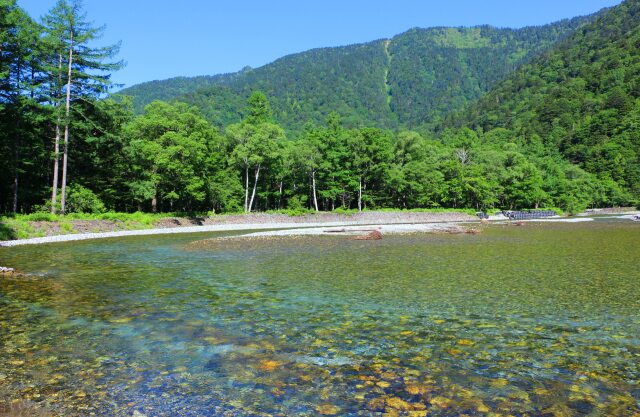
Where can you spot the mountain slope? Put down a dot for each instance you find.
(410, 80)
(582, 97)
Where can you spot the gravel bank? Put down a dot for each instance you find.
(359, 230)
(260, 221)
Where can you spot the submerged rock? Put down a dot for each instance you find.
(327, 409)
(269, 365)
(321, 361)
(373, 235)
(582, 406)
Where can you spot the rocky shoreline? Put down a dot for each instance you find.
(94, 229)
(400, 221)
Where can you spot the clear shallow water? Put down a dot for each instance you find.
(524, 321)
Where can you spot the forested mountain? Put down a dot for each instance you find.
(411, 80)
(329, 130)
(581, 98)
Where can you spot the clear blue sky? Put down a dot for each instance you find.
(167, 38)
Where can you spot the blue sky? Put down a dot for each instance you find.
(167, 38)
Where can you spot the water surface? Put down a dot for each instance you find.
(540, 320)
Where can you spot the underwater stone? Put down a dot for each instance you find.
(373, 235)
(582, 406)
(327, 409)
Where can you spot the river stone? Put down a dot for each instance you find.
(374, 235)
(582, 406)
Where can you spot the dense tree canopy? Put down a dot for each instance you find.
(560, 131)
(582, 100)
(410, 81)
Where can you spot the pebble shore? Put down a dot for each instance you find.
(261, 221)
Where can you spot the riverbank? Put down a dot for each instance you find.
(140, 224)
(72, 230)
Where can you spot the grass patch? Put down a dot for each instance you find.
(7, 232)
(12, 228)
(66, 227)
(291, 212)
(430, 210)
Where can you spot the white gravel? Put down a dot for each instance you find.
(355, 230)
(274, 229)
(191, 229)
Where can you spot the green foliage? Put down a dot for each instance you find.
(254, 144)
(579, 99)
(83, 200)
(292, 212)
(35, 63)
(297, 204)
(7, 232)
(436, 71)
(167, 152)
(410, 81)
(40, 217)
(561, 131)
(258, 109)
(167, 90)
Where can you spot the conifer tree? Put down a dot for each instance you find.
(82, 66)
(19, 36)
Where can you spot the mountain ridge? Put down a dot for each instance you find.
(390, 82)
(581, 98)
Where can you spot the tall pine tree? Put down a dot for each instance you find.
(84, 69)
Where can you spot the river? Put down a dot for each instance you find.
(538, 320)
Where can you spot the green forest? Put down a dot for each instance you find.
(463, 118)
(410, 81)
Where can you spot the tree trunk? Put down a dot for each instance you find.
(364, 187)
(56, 158)
(15, 178)
(56, 147)
(255, 185)
(360, 195)
(65, 156)
(154, 204)
(16, 166)
(280, 196)
(313, 182)
(246, 188)
(18, 144)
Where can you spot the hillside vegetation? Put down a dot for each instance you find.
(411, 80)
(581, 99)
(329, 129)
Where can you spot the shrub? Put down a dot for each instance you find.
(297, 203)
(40, 216)
(83, 200)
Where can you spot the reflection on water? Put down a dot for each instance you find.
(531, 321)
